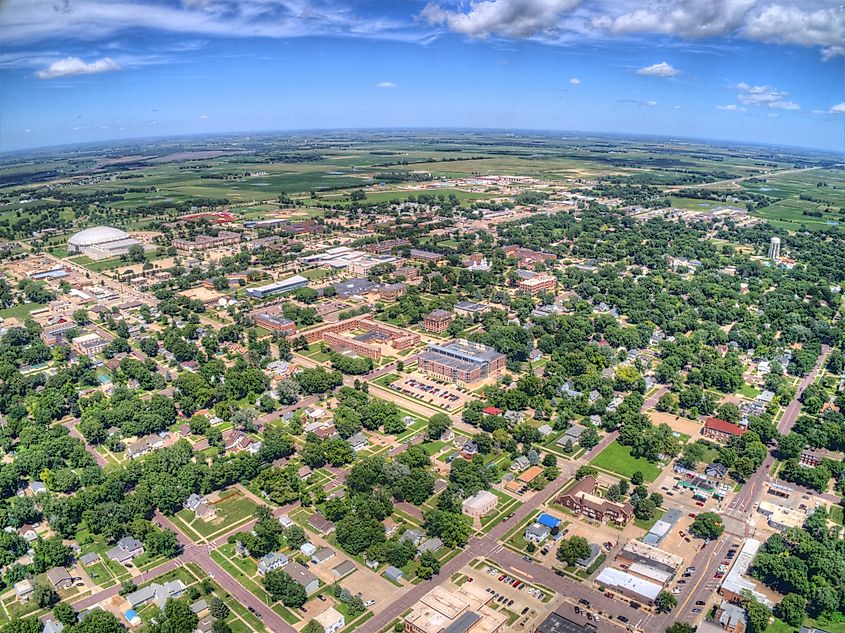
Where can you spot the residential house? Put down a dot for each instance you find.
(157, 593)
(322, 555)
(343, 569)
(321, 523)
(431, 545)
(536, 533)
(331, 620)
(126, 549)
(271, 562)
(394, 574)
(60, 578)
(304, 577)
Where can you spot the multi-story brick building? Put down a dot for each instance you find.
(438, 321)
(581, 499)
(720, 430)
(461, 362)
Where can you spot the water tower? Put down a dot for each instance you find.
(774, 249)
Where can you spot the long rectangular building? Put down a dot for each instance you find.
(461, 361)
(279, 287)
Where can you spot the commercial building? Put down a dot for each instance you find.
(559, 624)
(101, 242)
(331, 620)
(720, 430)
(391, 292)
(461, 361)
(464, 611)
(629, 585)
(354, 288)
(581, 499)
(636, 552)
(480, 504)
(438, 321)
(279, 287)
(781, 518)
(662, 527)
(735, 582)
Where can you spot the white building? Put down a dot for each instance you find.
(101, 242)
(331, 620)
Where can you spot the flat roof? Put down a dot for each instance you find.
(620, 579)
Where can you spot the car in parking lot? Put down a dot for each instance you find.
(700, 603)
(622, 618)
(696, 610)
(584, 601)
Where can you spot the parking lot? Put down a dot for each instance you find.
(446, 397)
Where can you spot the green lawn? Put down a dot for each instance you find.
(21, 311)
(748, 391)
(836, 514)
(617, 459)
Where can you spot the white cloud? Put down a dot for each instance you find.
(75, 66)
(651, 104)
(27, 131)
(386, 84)
(659, 70)
(765, 96)
(839, 108)
(799, 23)
(731, 107)
(575, 81)
(510, 18)
(203, 116)
(686, 18)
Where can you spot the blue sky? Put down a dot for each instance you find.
(768, 71)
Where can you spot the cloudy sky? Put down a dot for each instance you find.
(769, 71)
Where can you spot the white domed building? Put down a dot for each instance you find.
(101, 242)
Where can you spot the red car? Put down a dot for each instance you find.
(692, 515)
(699, 504)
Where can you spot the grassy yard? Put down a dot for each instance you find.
(617, 459)
(748, 391)
(21, 311)
(233, 510)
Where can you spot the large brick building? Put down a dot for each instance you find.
(581, 499)
(438, 321)
(461, 361)
(720, 430)
(366, 344)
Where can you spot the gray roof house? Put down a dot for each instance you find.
(304, 577)
(415, 536)
(431, 545)
(394, 574)
(536, 533)
(89, 559)
(126, 549)
(272, 562)
(343, 569)
(322, 555)
(157, 593)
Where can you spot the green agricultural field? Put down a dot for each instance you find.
(617, 459)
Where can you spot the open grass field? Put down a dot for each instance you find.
(617, 459)
(825, 189)
(20, 311)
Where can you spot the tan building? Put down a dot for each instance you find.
(538, 284)
(480, 505)
(465, 610)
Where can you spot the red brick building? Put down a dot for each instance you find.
(720, 430)
(581, 499)
(438, 321)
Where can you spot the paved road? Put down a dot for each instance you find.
(267, 418)
(200, 554)
(651, 401)
(147, 576)
(74, 432)
(794, 407)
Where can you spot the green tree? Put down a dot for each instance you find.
(665, 602)
(573, 549)
(218, 609)
(707, 526)
(680, 627)
(792, 609)
(282, 587)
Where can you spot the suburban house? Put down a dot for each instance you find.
(126, 549)
(60, 578)
(320, 523)
(304, 577)
(322, 555)
(536, 533)
(271, 562)
(155, 592)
